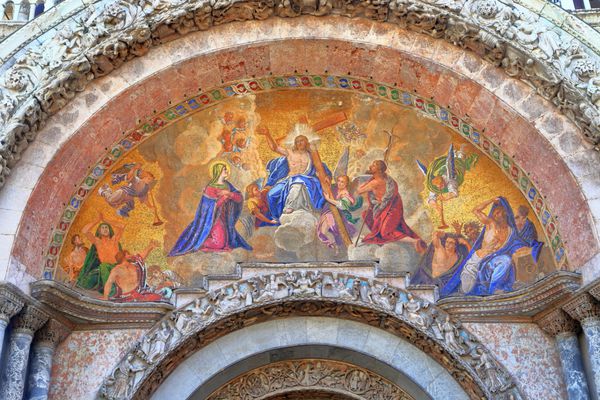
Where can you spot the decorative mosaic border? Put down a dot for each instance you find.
(385, 92)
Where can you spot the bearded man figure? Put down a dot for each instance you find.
(293, 181)
(385, 215)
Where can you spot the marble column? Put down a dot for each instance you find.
(586, 310)
(564, 329)
(10, 305)
(44, 344)
(29, 320)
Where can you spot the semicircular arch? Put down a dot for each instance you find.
(213, 316)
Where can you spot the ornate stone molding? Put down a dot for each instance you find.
(29, 320)
(46, 74)
(10, 302)
(518, 306)
(87, 313)
(309, 375)
(557, 322)
(583, 308)
(251, 301)
(51, 334)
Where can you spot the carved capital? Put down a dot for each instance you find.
(51, 334)
(583, 308)
(10, 304)
(30, 319)
(595, 291)
(557, 322)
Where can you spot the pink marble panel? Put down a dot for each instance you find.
(85, 358)
(528, 354)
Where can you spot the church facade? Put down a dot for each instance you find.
(299, 200)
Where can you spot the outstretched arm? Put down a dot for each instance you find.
(437, 239)
(153, 244)
(478, 211)
(86, 230)
(271, 142)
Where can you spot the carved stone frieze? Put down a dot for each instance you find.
(101, 37)
(10, 302)
(312, 293)
(29, 320)
(51, 334)
(309, 375)
(583, 308)
(556, 322)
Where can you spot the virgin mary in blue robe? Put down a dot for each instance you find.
(496, 271)
(213, 227)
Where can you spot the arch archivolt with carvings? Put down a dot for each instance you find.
(298, 293)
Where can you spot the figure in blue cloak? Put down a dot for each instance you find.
(527, 231)
(296, 188)
(488, 268)
(213, 227)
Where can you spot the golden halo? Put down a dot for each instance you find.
(215, 162)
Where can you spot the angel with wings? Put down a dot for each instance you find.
(444, 176)
(344, 201)
(139, 184)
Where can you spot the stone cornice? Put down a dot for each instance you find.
(559, 60)
(518, 306)
(87, 313)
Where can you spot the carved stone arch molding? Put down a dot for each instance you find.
(249, 302)
(78, 42)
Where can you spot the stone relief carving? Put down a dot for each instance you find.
(311, 375)
(29, 320)
(102, 37)
(10, 304)
(51, 334)
(224, 310)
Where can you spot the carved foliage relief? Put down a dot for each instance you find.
(356, 171)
